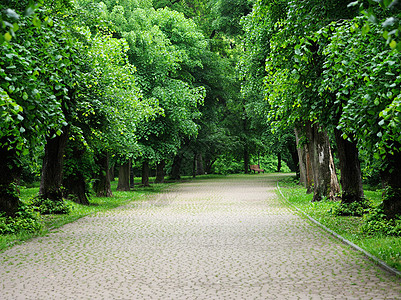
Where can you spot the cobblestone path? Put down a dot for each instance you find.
(228, 238)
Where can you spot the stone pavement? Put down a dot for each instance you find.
(228, 238)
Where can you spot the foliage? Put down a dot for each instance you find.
(227, 165)
(387, 17)
(36, 76)
(369, 97)
(26, 220)
(355, 208)
(47, 206)
(376, 222)
(166, 48)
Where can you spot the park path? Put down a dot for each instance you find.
(228, 238)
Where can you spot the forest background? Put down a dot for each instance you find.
(92, 90)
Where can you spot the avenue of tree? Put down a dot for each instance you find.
(162, 87)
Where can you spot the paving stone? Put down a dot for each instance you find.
(228, 238)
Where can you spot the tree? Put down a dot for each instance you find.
(370, 98)
(31, 92)
(292, 82)
(165, 47)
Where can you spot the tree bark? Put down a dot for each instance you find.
(294, 164)
(199, 165)
(52, 168)
(160, 171)
(176, 167)
(102, 185)
(194, 163)
(301, 159)
(351, 178)
(9, 176)
(391, 179)
(123, 177)
(132, 176)
(305, 168)
(74, 180)
(325, 182)
(278, 162)
(145, 173)
(75, 188)
(309, 171)
(112, 172)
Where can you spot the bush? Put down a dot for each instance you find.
(376, 223)
(26, 220)
(47, 206)
(228, 166)
(358, 208)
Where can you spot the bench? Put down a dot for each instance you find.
(256, 168)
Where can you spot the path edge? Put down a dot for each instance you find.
(375, 259)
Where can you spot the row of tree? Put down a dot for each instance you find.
(323, 69)
(87, 83)
(87, 79)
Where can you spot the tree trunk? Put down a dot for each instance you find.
(294, 163)
(391, 178)
(199, 165)
(301, 159)
(131, 176)
(176, 167)
(102, 184)
(9, 175)
(123, 177)
(112, 172)
(194, 163)
(145, 173)
(309, 171)
(246, 161)
(324, 177)
(351, 178)
(305, 168)
(160, 172)
(75, 188)
(52, 168)
(278, 161)
(74, 180)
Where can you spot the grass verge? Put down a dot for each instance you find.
(386, 248)
(97, 204)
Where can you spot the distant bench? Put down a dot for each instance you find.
(256, 168)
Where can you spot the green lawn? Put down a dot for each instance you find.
(386, 248)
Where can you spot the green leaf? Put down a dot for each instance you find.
(393, 44)
(387, 2)
(36, 22)
(7, 36)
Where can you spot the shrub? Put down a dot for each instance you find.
(357, 208)
(376, 223)
(47, 206)
(26, 220)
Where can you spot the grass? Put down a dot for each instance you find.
(97, 204)
(386, 248)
